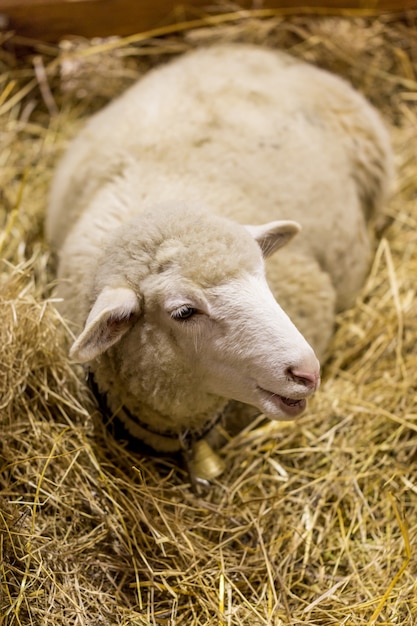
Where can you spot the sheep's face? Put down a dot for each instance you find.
(236, 342)
(187, 331)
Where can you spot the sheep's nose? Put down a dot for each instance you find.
(311, 380)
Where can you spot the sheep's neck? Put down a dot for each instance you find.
(142, 429)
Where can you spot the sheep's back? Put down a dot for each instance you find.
(250, 133)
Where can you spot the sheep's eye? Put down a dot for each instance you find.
(183, 313)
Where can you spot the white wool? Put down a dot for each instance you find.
(147, 208)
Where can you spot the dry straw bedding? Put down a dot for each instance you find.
(313, 523)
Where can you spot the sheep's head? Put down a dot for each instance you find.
(182, 310)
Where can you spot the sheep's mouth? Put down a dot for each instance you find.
(291, 407)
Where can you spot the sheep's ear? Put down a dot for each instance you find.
(273, 235)
(112, 315)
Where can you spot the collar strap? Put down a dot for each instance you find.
(185, 437)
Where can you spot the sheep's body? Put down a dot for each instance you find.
(234, 131)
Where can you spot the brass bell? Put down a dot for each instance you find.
(207, 464)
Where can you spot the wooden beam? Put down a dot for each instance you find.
(50, 20)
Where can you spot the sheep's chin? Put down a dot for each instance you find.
(278, 407)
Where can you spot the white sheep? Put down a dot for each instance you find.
(165, 285)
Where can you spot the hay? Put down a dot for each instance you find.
(313, 523)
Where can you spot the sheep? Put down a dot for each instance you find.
(166, 212)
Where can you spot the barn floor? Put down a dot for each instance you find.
(314, 522)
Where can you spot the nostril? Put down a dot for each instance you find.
(308, 379)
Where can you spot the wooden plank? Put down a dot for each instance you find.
(50, 20)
